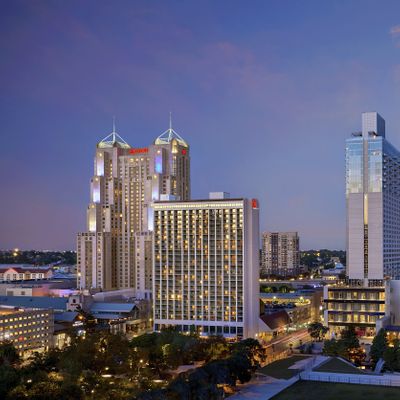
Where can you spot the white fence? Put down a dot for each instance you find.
(358, 379)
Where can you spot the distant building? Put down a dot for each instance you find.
(29, 329)
(23, 272)
(206, 266)
(41, 287)
(280, 254)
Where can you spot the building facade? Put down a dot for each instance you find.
(373, 231)
(373, 204)
(280, 254)
(28, 329)
(205, 273)
(360, 307)
(115, 252)
(24, 273)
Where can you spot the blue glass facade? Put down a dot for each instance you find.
(373, 203)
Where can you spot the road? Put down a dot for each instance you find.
(282, 344)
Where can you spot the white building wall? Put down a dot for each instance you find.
(251, 268)
(375, 236)
(355, 236)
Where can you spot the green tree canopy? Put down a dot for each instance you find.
(379, 345)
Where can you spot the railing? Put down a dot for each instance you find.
(379, 380)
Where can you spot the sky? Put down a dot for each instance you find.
(265, 93)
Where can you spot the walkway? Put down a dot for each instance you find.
(265, 387)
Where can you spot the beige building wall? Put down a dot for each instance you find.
(29, 330)
(280, 253)
(125, 183)
(206, 263)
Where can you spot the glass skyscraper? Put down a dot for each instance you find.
(373, 204)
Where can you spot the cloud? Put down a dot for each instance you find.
(395, 31)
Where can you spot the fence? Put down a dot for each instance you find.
(378, 380)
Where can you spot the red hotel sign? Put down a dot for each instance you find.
(254, 203)
(139, 151)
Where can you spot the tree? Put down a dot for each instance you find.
(334, 348)
(89, 322)
(8, 354)
(349, 336)
(379, 345)
(347, 346)
(317, 330)
(9, 378)
(391, 355)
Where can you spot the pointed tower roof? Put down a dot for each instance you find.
(113, 140)
(167, 136)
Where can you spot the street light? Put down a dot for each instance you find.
(139, 366)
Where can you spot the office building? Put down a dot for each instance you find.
(206, 266)
(280, 254)
(115, 252)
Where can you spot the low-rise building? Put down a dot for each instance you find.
(42, 287)
(303, 305)
(29, 329)
(118, 317)
(357, 306)
(24, 272)
(272, 324)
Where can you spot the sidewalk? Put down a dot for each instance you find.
(263, 388)
(266, 387)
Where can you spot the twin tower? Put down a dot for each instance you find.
(116, 250)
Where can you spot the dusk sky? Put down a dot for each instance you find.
(265, 93)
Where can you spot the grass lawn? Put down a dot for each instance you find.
(279, 369)
(310, 390)
(337, 365)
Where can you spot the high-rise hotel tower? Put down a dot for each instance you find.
(373, 232)
(116, 250)
(373, 204)
(206, 266)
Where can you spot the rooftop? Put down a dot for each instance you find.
(113, 140)
(276, 320)
(56, 303)
(112, 307)
(169, 135)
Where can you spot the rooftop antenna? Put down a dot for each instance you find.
(113, 131)
(170, 126)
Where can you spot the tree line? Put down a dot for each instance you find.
(107, 366)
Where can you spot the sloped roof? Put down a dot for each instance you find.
(22, 270)
(112, 307)
(167, 137)
(113, 140)
(106, 316)
(67, 316)
(276, 320)
(56, 303)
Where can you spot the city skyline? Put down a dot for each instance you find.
(266, 105)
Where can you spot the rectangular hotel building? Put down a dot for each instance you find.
(206, 266)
